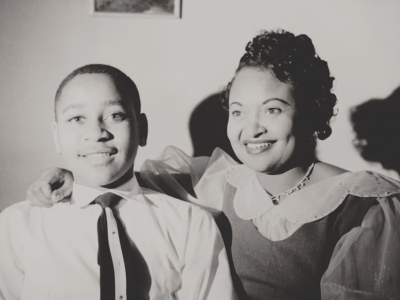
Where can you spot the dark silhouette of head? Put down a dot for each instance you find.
(376, 124)
(207, 127)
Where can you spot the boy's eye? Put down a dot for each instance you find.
(116, 117)
(236, 113)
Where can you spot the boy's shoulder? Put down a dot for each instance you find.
(170, 206)
(179, 219)
(19, 208)
(18, 216)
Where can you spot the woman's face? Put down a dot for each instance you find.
(261, 121)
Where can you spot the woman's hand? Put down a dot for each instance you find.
(54, 185)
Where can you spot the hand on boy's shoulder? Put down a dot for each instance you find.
(55, 185)
(52, 186)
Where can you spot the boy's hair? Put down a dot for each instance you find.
(125, 86)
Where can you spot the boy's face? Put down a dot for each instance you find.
(97, 131)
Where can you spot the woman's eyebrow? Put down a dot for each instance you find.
(276, 99)
(235, 103)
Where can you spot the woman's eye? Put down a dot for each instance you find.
(273, 110)
(75, 119)
(236, 113)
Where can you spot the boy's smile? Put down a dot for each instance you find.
(97, 131)
(99, 156)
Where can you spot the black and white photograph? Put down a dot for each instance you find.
(199, 150)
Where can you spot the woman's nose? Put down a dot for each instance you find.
(96, 132)
(255, 129)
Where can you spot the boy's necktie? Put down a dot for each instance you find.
(135, 288)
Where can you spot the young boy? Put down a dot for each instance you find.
(142, 245)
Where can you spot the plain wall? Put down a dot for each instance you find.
(177, 64)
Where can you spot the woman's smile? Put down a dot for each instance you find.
(261, 120)
(255, 147)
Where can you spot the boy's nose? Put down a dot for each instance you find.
(97, 132)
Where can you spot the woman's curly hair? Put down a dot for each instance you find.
(292, 59)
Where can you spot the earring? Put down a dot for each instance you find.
(324, 132)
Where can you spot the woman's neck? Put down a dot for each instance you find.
(279, 183)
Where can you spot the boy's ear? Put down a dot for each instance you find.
(55, 137)
(143, 130)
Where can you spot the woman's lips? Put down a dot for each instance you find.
(255, 147)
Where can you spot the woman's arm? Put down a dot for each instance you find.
(199, 180)
(52, 186)
(366, 261)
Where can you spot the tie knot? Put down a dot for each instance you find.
(108, 200)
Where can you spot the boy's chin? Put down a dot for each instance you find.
(105, 180)
(96, 180)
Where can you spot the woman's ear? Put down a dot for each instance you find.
(143, 130)
(55, 137)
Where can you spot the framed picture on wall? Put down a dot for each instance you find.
(137, 8)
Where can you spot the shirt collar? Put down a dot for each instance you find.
(308, 204)
(84, 195)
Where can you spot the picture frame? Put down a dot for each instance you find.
(137, 8)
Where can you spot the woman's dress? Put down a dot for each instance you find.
(336, 239)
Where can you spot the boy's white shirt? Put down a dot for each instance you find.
(51, 253)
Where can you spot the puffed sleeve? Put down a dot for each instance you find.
(366, 261)
(198, 180)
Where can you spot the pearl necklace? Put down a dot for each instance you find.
(275, 198)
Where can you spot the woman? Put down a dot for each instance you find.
(294, 227)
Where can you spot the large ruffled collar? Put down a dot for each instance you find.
(210, 177)
(252, 202)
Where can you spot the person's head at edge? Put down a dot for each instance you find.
(98, 125)
(279, 102)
